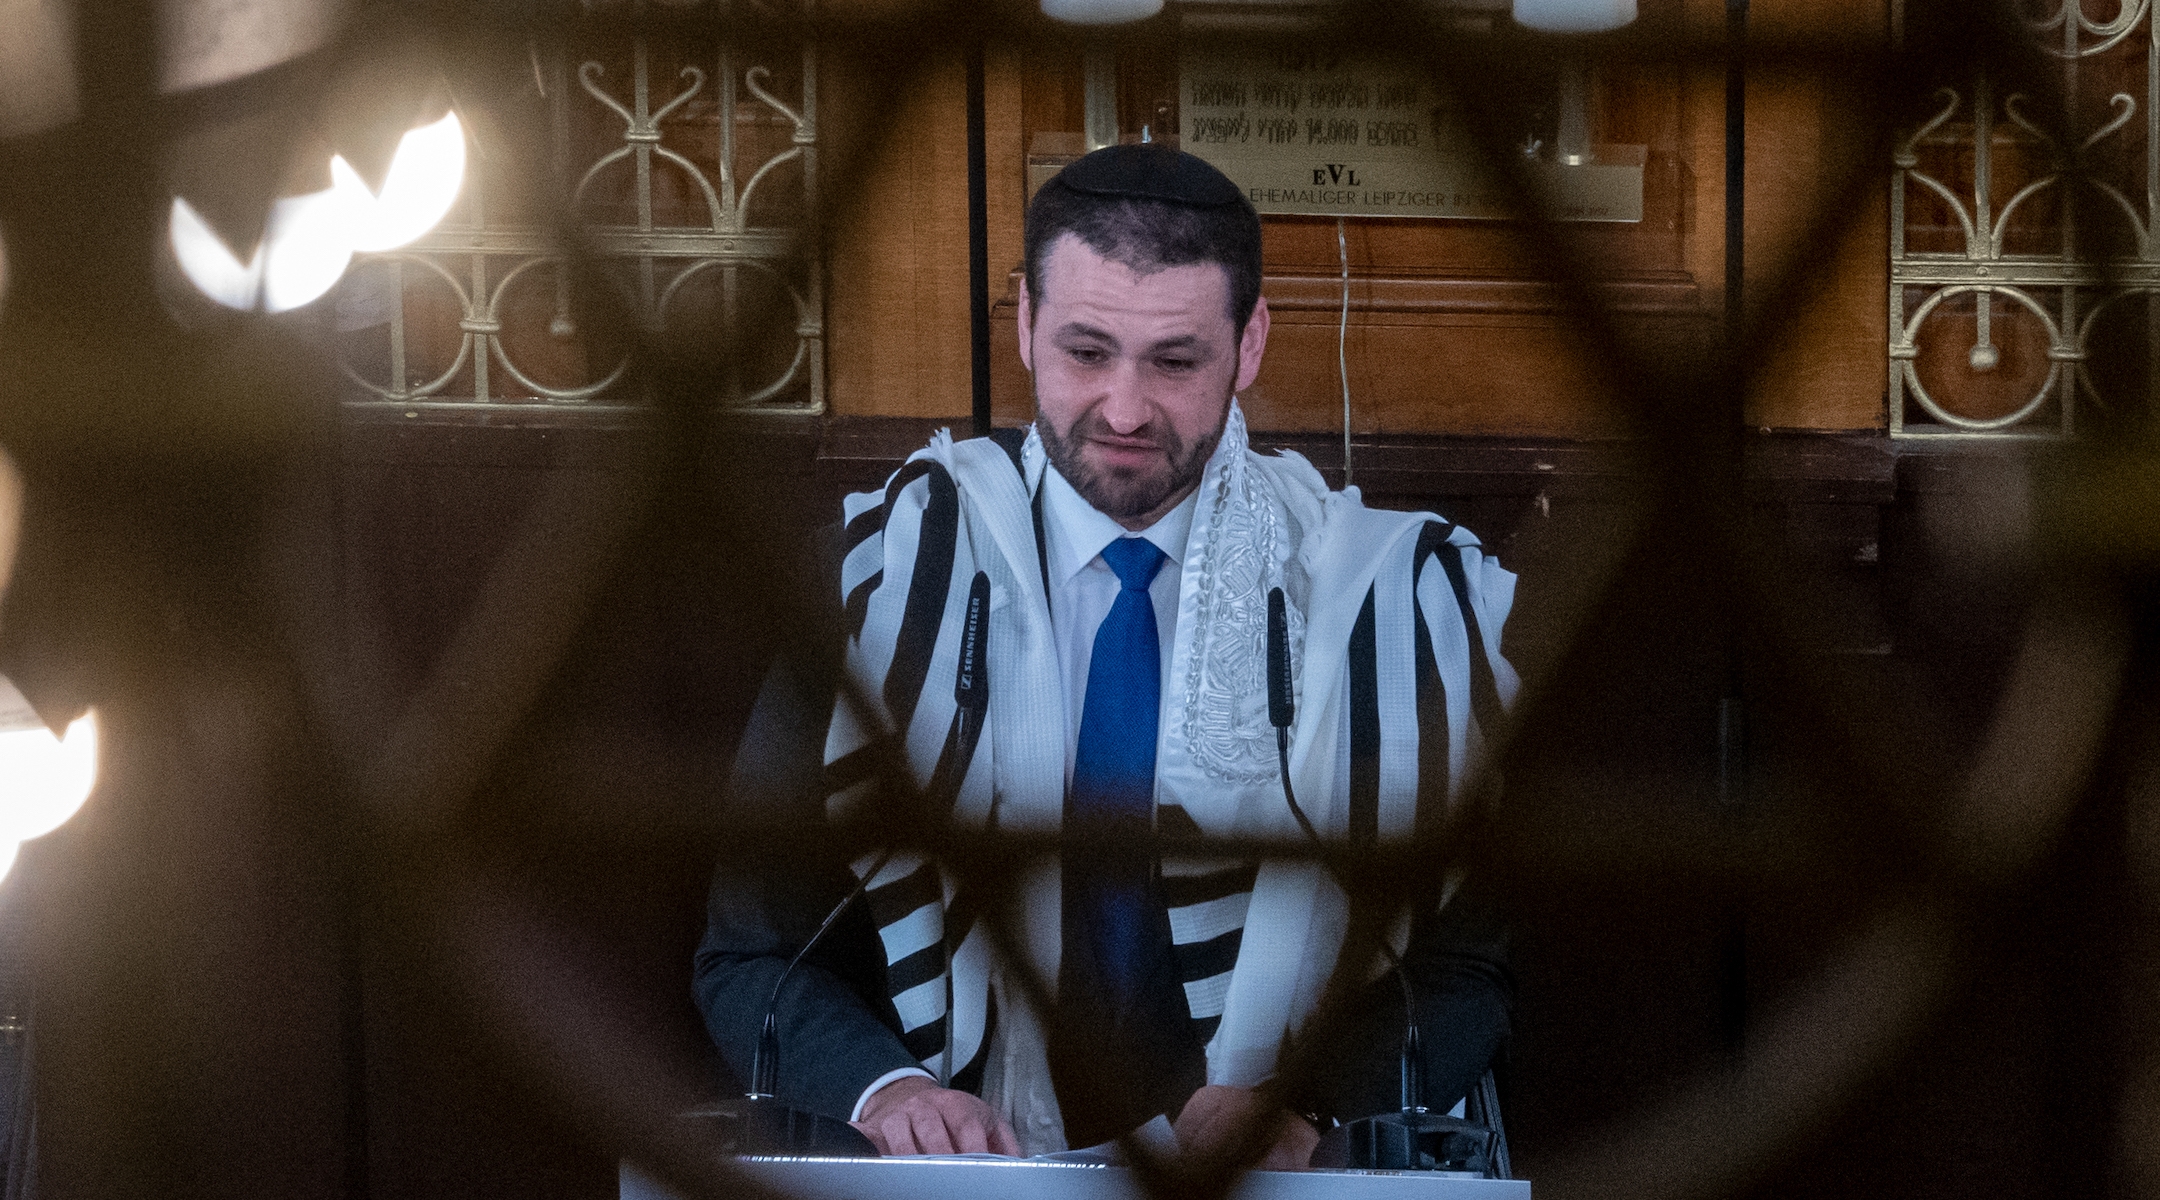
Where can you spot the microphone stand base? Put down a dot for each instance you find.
(764, 1126)
(1417, 1140)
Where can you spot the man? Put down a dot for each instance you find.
(1106, 583)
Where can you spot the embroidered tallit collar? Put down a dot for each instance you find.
(1075, 532)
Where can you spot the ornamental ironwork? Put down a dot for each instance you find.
(1997, 295)
(687, 169)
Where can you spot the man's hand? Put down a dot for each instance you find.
(916, 1116)
(1217, 1117)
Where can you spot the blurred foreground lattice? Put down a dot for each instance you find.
(360, 869)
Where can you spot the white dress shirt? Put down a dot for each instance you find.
(1082, 589)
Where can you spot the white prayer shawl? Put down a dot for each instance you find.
(1358, 601)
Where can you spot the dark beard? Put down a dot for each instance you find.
(1124, 495)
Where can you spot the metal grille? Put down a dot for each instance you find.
(1996, 293)
(683, 200)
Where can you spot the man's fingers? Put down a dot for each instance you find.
(937, 1121)
(899, 1134)
(929, 1126)
(973, 1137)
(1215, 1136)
(1294, 1144)
(1215, 1124)
(1198, 1110)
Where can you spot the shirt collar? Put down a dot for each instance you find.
(1077, 531)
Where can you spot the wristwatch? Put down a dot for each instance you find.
(1322, 1123)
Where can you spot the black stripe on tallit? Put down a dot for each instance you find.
(851, 768)
(891, 901)
(1365, 724)
(1205, 960)
(1431, 688)
(927, 588)
(867, 524)
(1484, 693)
(952, 764)
(1182, 891)
(926, 1040)
(858, 602)
(915, 970)
(960, 914)
(970, 1077)
(1042, 551)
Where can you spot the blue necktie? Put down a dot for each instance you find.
(1113, 779)
(1124, 1047)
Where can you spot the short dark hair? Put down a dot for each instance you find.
(1148, 235)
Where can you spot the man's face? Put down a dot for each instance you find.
(1133, 375)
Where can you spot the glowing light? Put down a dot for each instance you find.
(1100, 12)
(43, 781)
(209, 263)
(1574, 16)
(418, 190)
(309, 240)
(305, 249)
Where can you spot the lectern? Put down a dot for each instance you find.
(988, 1178)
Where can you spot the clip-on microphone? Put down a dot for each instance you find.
(1415, 1139)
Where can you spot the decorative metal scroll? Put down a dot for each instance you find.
(689, 181)
(1997, 296)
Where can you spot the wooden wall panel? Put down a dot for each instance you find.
(1451, 331)
(1803, 130)
(1828, 367)
(898, 305)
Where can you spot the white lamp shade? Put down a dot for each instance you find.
(310, 239)
(209, 263)
(43, 780)
(1100, 12)
(417, 191)
(1574, 16)
(305, 247)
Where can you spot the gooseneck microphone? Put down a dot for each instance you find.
(760, 1125)
(765, 1058)
(1416, 1138)
(1281, 705)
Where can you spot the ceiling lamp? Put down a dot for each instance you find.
(43, 779)
(1100, 12)
(303, 252)
(1574, 16)
(309, 240)
(417, 192)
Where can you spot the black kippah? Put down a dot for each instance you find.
(1150, 171)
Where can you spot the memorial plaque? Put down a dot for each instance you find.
(1333, 134)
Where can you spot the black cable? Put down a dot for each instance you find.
(978, 239)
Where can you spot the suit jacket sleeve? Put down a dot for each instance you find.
(837, 1029)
